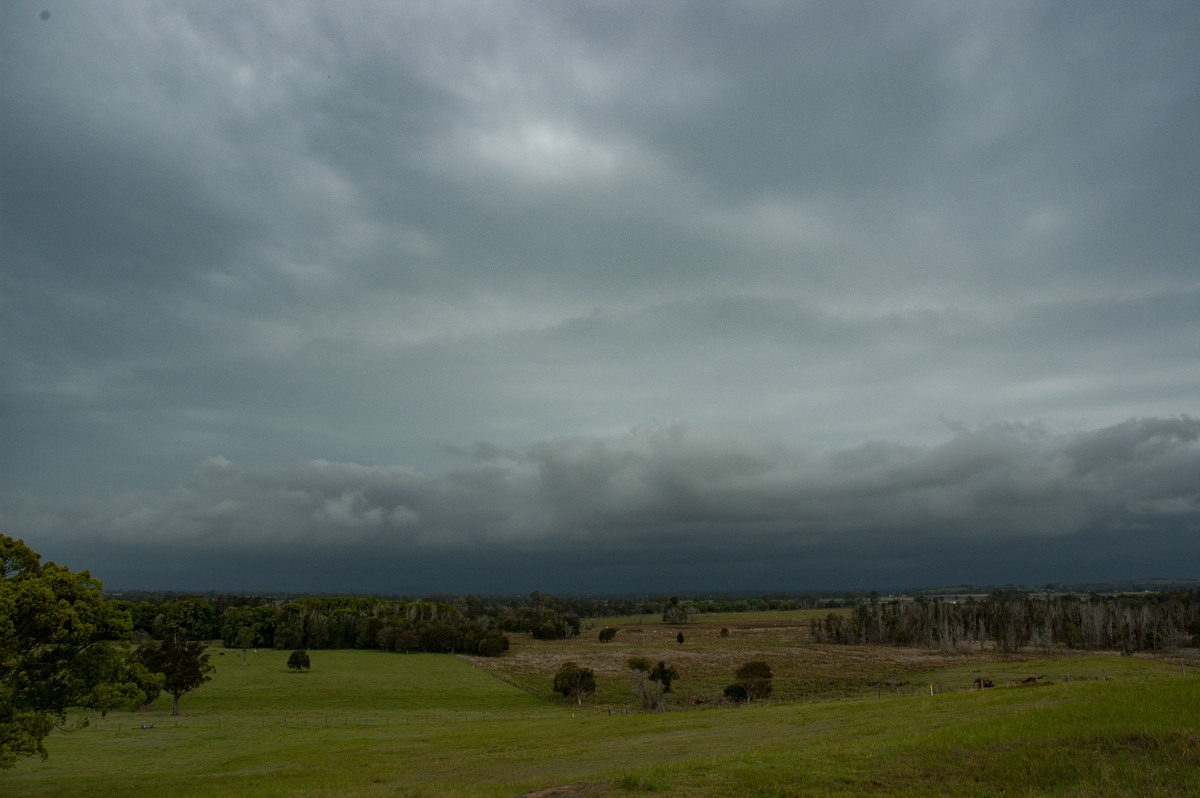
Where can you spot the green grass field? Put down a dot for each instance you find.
(372, 724)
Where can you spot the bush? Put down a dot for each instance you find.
(299, 660)
(607, 634)
(492, 645)
(736, 692)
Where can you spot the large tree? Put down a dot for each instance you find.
(58, 651)
(183, 664)
(191, 618)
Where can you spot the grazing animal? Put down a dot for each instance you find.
(982, 683)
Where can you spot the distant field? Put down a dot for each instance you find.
(803, 671)
(719, 619)
(372, 724)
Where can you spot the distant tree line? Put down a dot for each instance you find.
(470, 624)
(320, 623)
(1010, 619)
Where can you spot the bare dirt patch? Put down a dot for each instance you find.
(570, 791)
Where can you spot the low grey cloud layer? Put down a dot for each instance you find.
(433, 296)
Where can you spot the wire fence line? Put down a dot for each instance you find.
(903, 689)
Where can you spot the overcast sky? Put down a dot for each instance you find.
(623, 296)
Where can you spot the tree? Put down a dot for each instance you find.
(183, 664)
(648, 690)
(664, 674)
(492, 643)
(57, 651)
(439, 637)
(259, 618)
(191, 618)
(755, 678)
(574, 682)
(299, 660)
(674, 612)
(406, 641)
(246, 638)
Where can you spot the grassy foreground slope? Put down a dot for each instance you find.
(373, 724)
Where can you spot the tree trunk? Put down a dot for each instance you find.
(174, 704)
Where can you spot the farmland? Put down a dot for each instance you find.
(843, 720)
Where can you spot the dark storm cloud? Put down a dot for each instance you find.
(379, 233)
(683, 493)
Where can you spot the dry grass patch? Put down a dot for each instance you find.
(707, 660)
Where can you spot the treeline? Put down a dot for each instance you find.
(470, 624)
(319, 623)
(1011, 620)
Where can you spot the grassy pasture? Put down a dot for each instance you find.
(366, 723)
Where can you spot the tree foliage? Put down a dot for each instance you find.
(574, 682)
(663, 674)
(754, 679)
(191, 618)
(246, 638)
(651, 682)
(183, 664)
(675, 612)
(259, 619)
(1009, 619)
(735, 692)
(490, 644)
(57, 651)
(299, 660)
